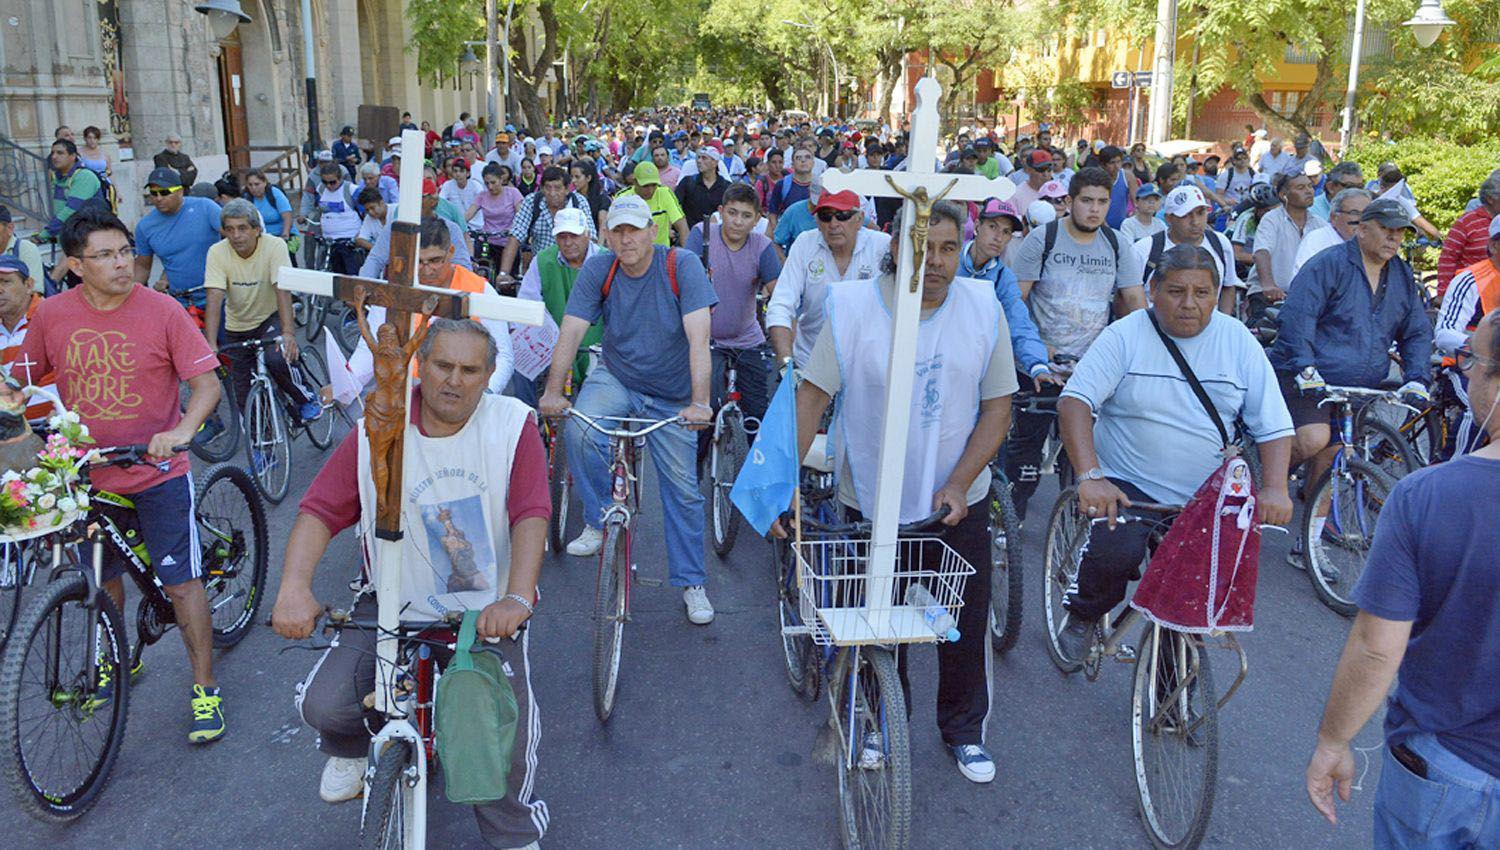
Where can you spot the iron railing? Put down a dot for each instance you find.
(24, 187)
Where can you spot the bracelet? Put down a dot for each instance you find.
(530, 609)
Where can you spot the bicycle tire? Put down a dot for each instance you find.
(1007, 579)
(798, 651)
(1332, 573)
(40, 799)
(13, 580)
(610, 595)
(299, 310)
(559, 487)
(1380, 444)
(1062, 552)
(230, 551)
(872, 817)
(346, 329)
(1427, 434)
(731, 448)
(317, 318)
(226, 442)
(265, 435)
(321, 430)
(386, 824)
(1198, 738)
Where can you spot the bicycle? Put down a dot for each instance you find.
(867, 704)
(805, 661)
(219, 436)
(559, 477)
(1432, 431)
(728, 446)
(1007, 575)
(63, 672)
(1350, 495)
(616, 567)
(270, 422)
(487, 261)
(1173, 704)
(312, 311)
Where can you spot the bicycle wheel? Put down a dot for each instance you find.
(1350, 499)
(1006, 577)
(874, 768)
(559, 485)
(232, 536)
(799, 651)
(1427, 434)
(61, 733)
(1380, 444)
(219, 436)
(14, 563)
(387, 823)
(345, 328)
(729, 451)
(321, 430)
(1067, 534)
(266, 444)
(317, 317)
(609, 616)
(1174, 732)
(299, 310)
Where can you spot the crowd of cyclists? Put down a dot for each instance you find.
(722, 236)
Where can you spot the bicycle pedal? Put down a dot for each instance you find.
(1125, 654)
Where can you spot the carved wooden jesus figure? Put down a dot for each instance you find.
(385, 408)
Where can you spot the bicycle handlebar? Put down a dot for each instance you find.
(130, 456)
(623, 433)
(926, 525)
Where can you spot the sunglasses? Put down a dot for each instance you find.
(331, 182)
(158, 192)
(826, 216)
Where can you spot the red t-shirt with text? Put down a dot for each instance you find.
(119, 370)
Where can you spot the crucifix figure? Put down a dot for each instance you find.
(919, 188)
(394, 343)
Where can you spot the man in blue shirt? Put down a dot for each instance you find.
(981, 259)
(1346, 306)
(655, 304)
(346, 152)
(179, 230)
(1427, 611)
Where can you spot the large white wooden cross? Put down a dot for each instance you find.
(919, 187)
(400, 293)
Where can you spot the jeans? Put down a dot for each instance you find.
(673, 451)
(1111, 562)
(1456, 806)
(293, 382)
(1023, 449)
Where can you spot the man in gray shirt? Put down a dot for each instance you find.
(1072, 272)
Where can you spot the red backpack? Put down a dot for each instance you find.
(671, 275)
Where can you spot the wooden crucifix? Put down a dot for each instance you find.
(919, 188)
(403, 299)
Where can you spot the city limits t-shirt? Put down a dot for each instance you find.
(1433, 564)
(644, 343)
(119, 370)
(1073, 293)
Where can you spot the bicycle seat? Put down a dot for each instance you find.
(817, 455)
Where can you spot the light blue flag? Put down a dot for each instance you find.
(767, 481)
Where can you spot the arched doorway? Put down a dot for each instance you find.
(232, 102)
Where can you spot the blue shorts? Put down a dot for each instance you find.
(163, 519)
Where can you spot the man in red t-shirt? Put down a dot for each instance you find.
(1468, 238)
(119, 352)
(472, 462)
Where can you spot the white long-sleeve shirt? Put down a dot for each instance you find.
(1460, 303)
(803, 285)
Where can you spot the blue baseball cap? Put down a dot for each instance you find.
(1147, 190)
(12, 263)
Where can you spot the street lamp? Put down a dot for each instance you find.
(1428, 23)
(223, 16)
(468, 63)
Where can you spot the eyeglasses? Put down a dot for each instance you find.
(1464, 357)
(826, 216)
(110, 256)
(160, 192)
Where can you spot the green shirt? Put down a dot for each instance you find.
(989, 168)
(448, 210)
(557, 278)
(69, 193)
(665, 211)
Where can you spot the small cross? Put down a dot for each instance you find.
(26, 363)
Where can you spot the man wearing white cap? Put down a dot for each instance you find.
(703, 192)
(550, 279)
(1186, 212)
(654, 300)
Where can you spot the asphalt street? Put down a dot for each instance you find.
(709, 747)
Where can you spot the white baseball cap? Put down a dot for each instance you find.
(628, 209)
(570, 220)
(1040, 212)
(1183, 200)
(394, 142)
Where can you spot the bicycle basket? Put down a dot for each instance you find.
(475, 721)
(834, 591)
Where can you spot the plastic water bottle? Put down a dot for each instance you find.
(936, 616)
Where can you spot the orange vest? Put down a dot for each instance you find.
(463, 280)
(39, 409)
(1487, 281)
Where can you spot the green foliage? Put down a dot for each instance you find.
(1443, 175)
(439, 29)
(1436, 91)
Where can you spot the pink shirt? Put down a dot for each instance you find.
(499, 211)
(119, 370)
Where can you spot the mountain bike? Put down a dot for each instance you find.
(64, 687)
(616, 565)
(728, 446)
(1432, 431)
(1174, 731)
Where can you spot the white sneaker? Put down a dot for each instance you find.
(343, 779)
(587, 543)
(700, 612)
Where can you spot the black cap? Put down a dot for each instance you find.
(1387, 212)
(347, 131)
(983, 142)
(166, 178)
(4, 214)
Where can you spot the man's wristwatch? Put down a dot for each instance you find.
(1095, 474)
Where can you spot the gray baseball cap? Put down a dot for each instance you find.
(1387, 213)
(628, 209)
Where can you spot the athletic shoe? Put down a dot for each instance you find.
(973, 762)
(700, 611)
(343, 779)
(587, 543)
(105, 691)
(309, 411)
(1073, 642)
(208, 715)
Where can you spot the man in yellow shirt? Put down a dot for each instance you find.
(665, 210)
(240, 276)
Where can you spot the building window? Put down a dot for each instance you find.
(1284, 103)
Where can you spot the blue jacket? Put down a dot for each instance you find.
(1332, 320)
(1025, 340)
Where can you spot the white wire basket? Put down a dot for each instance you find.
(838, 609)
